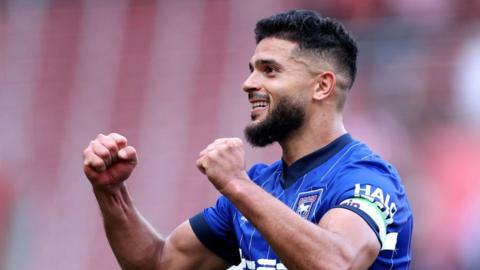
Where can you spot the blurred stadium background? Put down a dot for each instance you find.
(167, 74)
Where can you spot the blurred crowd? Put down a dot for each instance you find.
(416, 101)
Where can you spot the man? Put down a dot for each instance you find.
(329, 203)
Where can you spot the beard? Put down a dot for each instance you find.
(287, 117)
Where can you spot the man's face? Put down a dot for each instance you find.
(279, 88)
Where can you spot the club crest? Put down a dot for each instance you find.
(307, 202)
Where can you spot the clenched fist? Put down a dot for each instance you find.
(109, 160)
(223, 162)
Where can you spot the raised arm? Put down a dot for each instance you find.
(108, 162)
(342, 240)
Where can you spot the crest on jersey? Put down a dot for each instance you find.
(307, 202)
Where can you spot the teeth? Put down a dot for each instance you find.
(259, 104)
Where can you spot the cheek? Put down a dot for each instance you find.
(294, 90)
(277, 88)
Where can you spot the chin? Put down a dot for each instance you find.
(256, 121)
(258, 117)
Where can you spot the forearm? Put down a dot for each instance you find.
(134, 242)
(298, 243)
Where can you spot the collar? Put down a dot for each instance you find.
(291, 173)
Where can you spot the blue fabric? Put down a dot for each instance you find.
(339, 171)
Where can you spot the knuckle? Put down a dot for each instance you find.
(98, 164)
(130, 150)
(224, 147)
(95, 161)
(208, 158)
(102, 152)
(117, 137)
(111, 146)
(204, 161)
(238, 141)
(114, 134)
(133, 154)
(212, 145)
(106, 141)
(87, 152)
(216, 154)
(232, 144)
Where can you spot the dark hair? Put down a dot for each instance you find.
(312, 32)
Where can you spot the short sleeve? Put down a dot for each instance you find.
(213, 227)
(373, 191)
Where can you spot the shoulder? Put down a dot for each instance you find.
(365, 175)
(362, 162)
(370, 186)
(260, 172)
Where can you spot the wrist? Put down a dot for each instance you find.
(110, 189)
(237, 186)
(115, 204)
(113, 195)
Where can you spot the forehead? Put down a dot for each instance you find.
(273, 48)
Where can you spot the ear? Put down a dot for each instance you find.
(324, 85)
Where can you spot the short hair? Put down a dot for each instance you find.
(314, 33)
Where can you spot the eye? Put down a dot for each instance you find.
(269, 70)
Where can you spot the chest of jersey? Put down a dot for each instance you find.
(304, 197)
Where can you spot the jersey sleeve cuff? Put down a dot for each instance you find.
(227, 250)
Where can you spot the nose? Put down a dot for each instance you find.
(251, 83)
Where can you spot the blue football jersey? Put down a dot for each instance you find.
(346, 174)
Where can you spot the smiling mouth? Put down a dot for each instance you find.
(258, 101)
(259, 107)
(259, 104)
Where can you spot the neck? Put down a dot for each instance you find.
(311, 137)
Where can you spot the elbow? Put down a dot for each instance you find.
(146, 258)
(349, 258)
(344, 259)
(339, 257)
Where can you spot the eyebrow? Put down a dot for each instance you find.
(260, 62)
